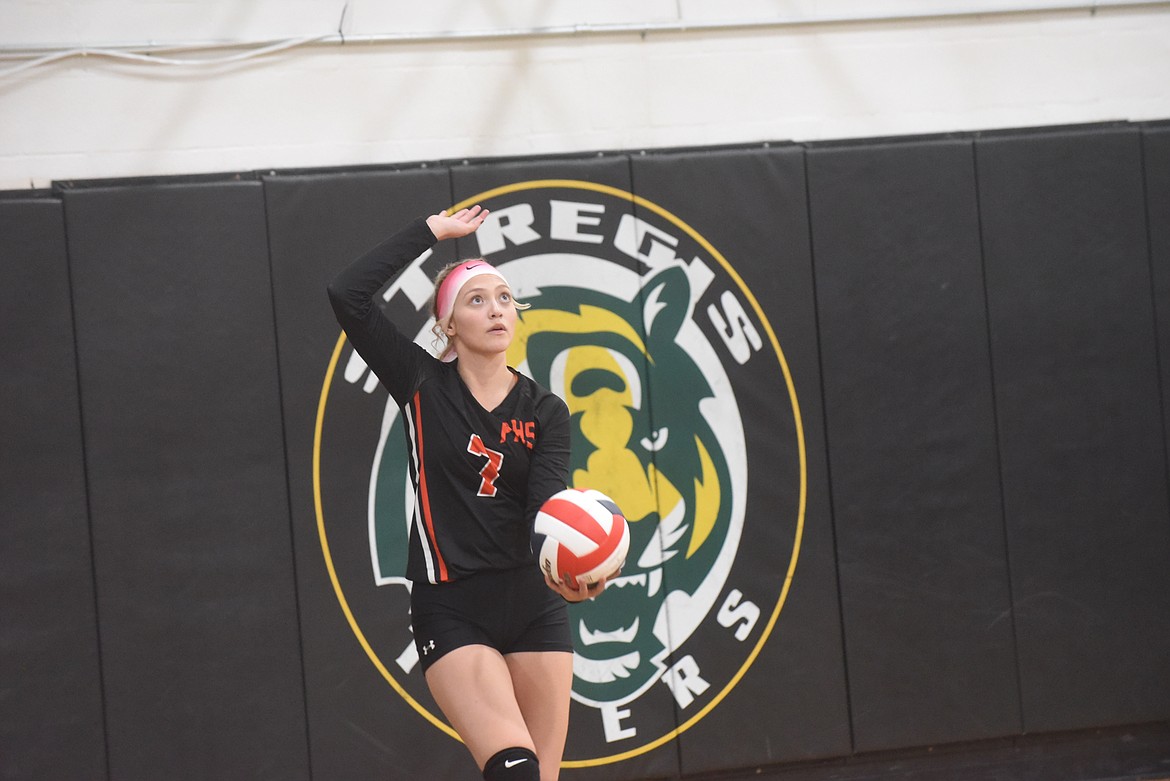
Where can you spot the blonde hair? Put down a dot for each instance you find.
(437, 329)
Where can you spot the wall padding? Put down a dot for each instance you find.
(1077, 396)
(750, 205)
(188, 493)
(891, 417)
(912, 453)
(359, 727)
(50, 698)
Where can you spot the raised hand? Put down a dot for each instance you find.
(461, 223)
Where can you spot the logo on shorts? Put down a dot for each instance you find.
(682, 411)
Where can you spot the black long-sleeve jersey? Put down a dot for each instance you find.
(479, 475)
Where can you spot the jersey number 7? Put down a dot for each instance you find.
(491, 470)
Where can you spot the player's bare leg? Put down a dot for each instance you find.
(542, 682)
(473, 687)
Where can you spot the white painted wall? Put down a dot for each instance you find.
(364, 102)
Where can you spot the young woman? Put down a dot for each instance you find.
(487, 447)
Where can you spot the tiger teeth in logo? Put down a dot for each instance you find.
(683, 411)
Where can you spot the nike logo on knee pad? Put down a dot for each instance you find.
(514, 762)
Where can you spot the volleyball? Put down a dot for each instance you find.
(586, 537)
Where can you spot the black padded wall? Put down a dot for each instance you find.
(523, 195)
(359, 726)
(889, 416)
(50, 697)
(750, 206)
(200, 654)
(910, 421)
(1081, 446)
(1156, 155)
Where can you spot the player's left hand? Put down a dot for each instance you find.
(579, 594)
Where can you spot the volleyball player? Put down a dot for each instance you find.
(487, 446)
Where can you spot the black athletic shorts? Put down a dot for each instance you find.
(510, 611)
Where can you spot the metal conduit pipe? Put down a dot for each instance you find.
(148, 51)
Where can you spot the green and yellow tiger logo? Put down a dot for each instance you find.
(649, 336)
(655, 454)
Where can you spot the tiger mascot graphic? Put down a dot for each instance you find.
(649, 336)
(654, 453)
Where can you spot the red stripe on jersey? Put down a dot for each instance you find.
(424, 498)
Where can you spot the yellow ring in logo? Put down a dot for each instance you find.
(755, 652)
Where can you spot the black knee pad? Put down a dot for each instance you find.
(512, 764)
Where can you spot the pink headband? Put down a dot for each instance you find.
(453, 284)
(455, 280)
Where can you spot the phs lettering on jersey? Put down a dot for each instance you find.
(523, 431)
(656, 345)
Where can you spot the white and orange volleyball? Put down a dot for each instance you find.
(586, 537)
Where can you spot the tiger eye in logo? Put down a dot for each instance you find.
(683, 411)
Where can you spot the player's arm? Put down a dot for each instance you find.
(395, 359)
